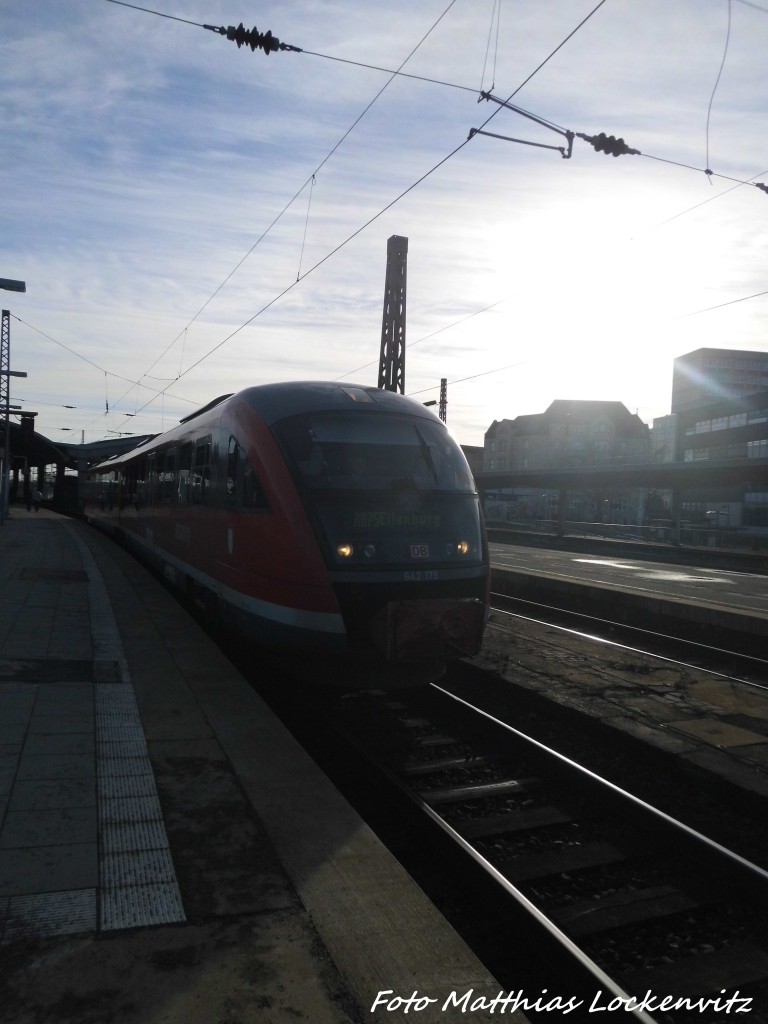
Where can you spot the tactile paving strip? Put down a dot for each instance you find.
(138, 884)
(119, 787)
(132, 837)
(139, 905)
(50, 913)
(138, 867)
(130, 809)
(129, 824)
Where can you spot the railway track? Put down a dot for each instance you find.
(718, 647)
(618, 899)
(579, 897)
(741, 658)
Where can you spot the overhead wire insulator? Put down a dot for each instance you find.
(252, 37)
(609, 144)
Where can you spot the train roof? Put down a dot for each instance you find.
(275, 402)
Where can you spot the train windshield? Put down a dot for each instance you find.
(342, 451)
(385, 490)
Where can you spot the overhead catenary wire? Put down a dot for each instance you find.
(474, 376)
(495, 16)
(399, 197)
(183, 332)
(306, 224)
(440, 330)
(522, 362)
(720, 305)
(354, 234)
(541, 120)
(711, 199)
(714, 90)
(97, 366)
(602, 137)
(601, 142)
(398, 72)
(159, 14)
(382, 211)
(295, 196)
(308, 53)
(316, 266)
(715, 174)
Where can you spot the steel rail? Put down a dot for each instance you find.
(642, 805)
(545, 923)
(721, 651)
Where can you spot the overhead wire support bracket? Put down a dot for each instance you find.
(564, 151)
(252, 37)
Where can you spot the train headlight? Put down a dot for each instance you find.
(369, 550)
(462, 547)
(344, 550)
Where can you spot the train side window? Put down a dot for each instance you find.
(243, 488)
(253, 493)
(185, 468)
(130, 479)
(233, 468)
(103, 489)
(156, 468)
(141, 493)
(201, 471)
(168, 478)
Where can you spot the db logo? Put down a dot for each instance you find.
(419, 551)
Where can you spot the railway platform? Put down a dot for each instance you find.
(168, 852)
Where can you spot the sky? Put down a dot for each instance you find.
(191, 218)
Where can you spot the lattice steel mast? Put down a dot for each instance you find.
(392, 355)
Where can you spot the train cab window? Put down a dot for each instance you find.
(242, 488)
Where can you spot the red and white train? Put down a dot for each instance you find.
(312, 517)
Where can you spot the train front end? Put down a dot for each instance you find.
(397, 516)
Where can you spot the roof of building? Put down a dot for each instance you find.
(729, 353)
(572, 411)
(35, 448)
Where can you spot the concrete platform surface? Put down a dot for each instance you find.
(168, 853)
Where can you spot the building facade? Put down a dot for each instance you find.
(731, 429)
(568, 435)
(710, 375)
